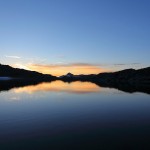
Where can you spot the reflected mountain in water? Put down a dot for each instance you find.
(128, 80)
(129, 88)
(60, 86)
(79, 87)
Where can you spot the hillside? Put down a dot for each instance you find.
(7, 71)
(131, 76)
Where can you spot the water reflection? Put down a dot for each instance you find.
(60, 86)
(30, 86)
(51, 116)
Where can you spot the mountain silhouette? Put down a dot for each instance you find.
(129, 80)
(7, 72)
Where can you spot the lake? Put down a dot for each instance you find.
(77, 115)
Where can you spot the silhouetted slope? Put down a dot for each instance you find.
(130, 76)
(129, 80)
(7, 71)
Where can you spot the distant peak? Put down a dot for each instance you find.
(69, 74)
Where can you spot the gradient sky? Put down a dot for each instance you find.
(78, 36)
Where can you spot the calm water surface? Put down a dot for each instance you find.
(78, 115)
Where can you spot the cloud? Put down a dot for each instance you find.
(15, 57)
(125, 64)
(67, 65)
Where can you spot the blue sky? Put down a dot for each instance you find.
(102, 33)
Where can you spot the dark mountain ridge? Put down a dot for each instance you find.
(129, 80)
(15, 73)
(128, 76)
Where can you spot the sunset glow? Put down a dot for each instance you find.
(59, 70)
(20, 66)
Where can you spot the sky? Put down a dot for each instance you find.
(77, 36)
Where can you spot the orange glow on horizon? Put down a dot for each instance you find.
(58, 70)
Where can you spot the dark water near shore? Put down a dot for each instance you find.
(77, 115)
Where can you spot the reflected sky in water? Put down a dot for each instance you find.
(60, 86)
(72, 113)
